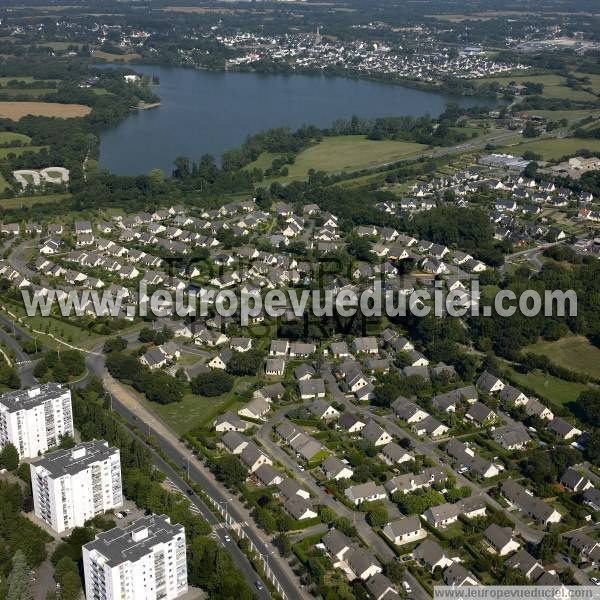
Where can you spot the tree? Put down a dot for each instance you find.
(9, 457)
(117, 344)
(327, 514)
(231, 471)
(18, 580)
(588, 406)
(67, 575)
(530, 130)
(146, 335)
(213, 383)
(377, 514)
(245, 363)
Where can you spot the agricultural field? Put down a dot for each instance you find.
(553, 149)
(574, 352)
(18, 110)
(343, 153)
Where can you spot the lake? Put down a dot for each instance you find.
(205, 112)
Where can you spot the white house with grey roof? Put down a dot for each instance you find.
(405, 530)
(375, 434)
(365, 492)
(72, 486)
(334, 468)
(145, 561)
(311, 388)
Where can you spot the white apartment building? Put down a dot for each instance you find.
(73, 486)
(35, 419)
(145, 561)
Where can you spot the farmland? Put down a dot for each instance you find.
(18, 110)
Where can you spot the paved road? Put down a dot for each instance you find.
(220, 532)
(126, 404)
(429, 449)
(17, 260)
(533, 255)
(364, 530)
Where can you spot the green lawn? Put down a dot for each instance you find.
(570, 115)
(195, 411)
(8, 137)
(553, 149)
(31, 200)
(343, 153)
(575, 353)
(558, 391)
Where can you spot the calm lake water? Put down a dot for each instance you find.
(204, 112)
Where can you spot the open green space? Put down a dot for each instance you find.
(553, 149)
(31, 200)
(343, 153)
(556, 390)
(575, 353)
(199, 411)
(8, 137)
(570, 115)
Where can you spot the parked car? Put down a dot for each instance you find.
(406, 587)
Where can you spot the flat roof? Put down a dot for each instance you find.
(136, 541)
(75, 460)
(32, 397)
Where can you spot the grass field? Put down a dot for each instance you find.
(21, 201)
(343, 153)
(574, 352)
(558, 391)
(17, 110)
(8, 137)
(196, 411)
(570, 115)
(552, 149)
(115, 57)
(3, 183)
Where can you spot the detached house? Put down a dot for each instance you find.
(517, 495)
(490, 384)
(375, 434)
(500, 539)
(430, 555)
(404, 531)
(365, 492)
(336, 469)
